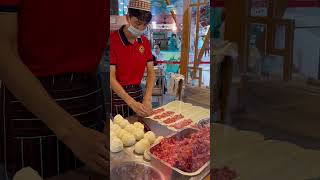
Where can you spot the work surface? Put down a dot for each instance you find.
(251, 155)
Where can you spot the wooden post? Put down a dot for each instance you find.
(195, 62)
(185, 44)
(204, 46)
(172, 14)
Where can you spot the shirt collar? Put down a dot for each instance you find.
(125, 40)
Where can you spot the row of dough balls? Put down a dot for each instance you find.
(144, 144)
(122, 133)
(127, 133)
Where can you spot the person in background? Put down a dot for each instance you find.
(51, 100)
(207, 49)
(130, 54)
(159, 57)
(173, 46)
(158, 53)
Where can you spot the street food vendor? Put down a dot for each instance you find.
(51, 100)
(130, 55)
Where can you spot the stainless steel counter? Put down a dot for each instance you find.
(128, 153)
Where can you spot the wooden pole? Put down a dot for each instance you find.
(173, 14)
(195, 62)
(204, 46)
(185, 44)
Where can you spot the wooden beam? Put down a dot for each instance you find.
(270, 8)
(185, 44)
(201, 4)
(195, 61)
(204, 46)
(173, 15)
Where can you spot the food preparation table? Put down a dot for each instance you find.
(127, 155)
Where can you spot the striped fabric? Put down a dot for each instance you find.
(27, 141)
(119, 106)
(144, 5)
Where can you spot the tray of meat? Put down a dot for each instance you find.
(185, 153)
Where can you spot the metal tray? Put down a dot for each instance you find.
(123, 171)
(167, 169)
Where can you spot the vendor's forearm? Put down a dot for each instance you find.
(118, 89)
(30, 92)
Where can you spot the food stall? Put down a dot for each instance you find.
(171, 144)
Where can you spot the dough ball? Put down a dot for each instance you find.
(113, 134)
(118, 118)
(140, 147)
(121, 132)
(138, 134)
(130, 128)
(111, 123)
(123, 124)
(116, 145)
(146, 155)
(138, 125)
(150, 136)
(128, 139)
(27, 173)
(145, 141)
(115, 128)
(158, 139)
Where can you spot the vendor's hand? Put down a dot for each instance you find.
(139, 108)
(91, 147)
(148, 105)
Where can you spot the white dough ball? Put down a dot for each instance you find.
(27, 173)
(116, 145)
(123, 124)
(138, 134)
(130, 128)
(113, 134)
(138, 125)
(145, 141)
(146, 155)
(115, 128)
(117, 119)
(128, 139)
(158, 139)
(121, 132)
(150, 136)
(140, 147)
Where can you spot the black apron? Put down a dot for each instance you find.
(119, 106)
(27, 141)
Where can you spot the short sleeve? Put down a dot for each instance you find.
(113, 57)
(9, 5)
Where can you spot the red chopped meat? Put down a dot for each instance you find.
(187, 154)
(164, 115)
(173, 119)
(157, 111)
(182, 124)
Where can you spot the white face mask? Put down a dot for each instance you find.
(134, 31)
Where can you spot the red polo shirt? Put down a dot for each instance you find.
(130, 59)
(60, 36)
